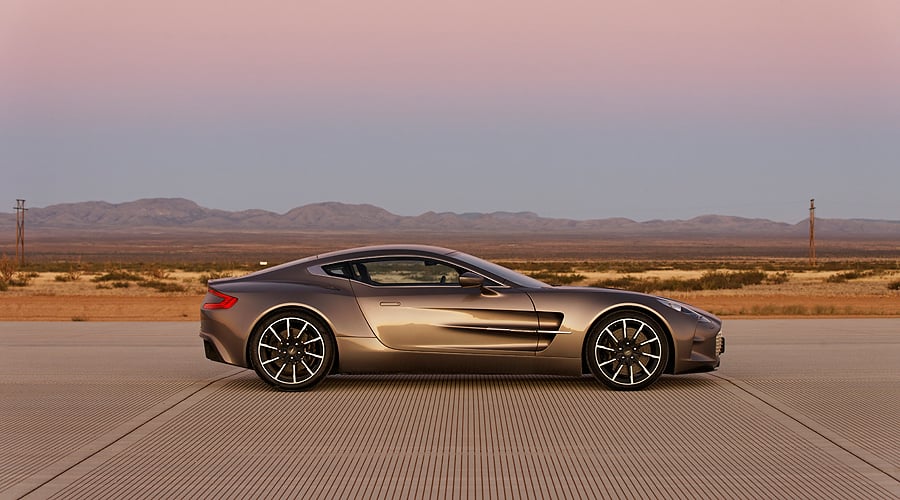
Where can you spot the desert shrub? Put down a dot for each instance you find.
(75, 271)
(778, 278)
(7, 269)
(156, 273)
(162, 286)
(824, 310)
(776, 310)
(557, 278)
(62, 266)
(118, 276)
(795, 310)
(712, 280)
(115, 284)
(637, 267)
(539, 266)
(862, 265)
(834, 265)
(22, 278)
(202, 267)
(645, 285)
(838, 278)
(850, 275)
(715, 280)
(596, 266)
(678, 285)
(894, 285)
(73, 274)
(762, 310)
(213, 275)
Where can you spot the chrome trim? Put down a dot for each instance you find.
(449, 286)
(507, 330)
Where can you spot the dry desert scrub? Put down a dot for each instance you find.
(730, 288)
(748, 287)
(710, 280)
(7, 271)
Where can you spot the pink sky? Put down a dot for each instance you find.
(113, 99)
(605, 54)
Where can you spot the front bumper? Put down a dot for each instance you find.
(707, 347)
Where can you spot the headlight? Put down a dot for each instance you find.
(683, 308)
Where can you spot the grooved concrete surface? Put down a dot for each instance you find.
(799, 409)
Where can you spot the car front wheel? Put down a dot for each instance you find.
(627, 351)
(292, 351)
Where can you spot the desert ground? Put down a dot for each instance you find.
(162, 277)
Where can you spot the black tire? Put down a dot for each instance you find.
(627, 350)
(292, 350)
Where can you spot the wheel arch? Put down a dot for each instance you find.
(302, 308)
(639, 308)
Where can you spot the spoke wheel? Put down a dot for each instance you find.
(292, 351)
(627, 351)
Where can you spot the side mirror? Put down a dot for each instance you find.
(470, 280)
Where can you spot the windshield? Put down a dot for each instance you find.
(500, 271)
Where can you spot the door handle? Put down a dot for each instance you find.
(389, 303)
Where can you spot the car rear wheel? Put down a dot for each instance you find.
(292, 351)
(627, 351)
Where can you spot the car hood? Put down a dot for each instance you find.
(622, 295)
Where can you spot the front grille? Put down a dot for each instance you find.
(720, 344)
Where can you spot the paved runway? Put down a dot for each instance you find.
(799, 409)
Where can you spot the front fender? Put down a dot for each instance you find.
(583, 307)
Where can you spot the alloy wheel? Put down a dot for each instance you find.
(628, 352)
(291, 351)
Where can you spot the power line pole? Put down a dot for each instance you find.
(20, 232)
(812, 232)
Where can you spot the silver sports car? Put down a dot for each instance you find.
(422, 309)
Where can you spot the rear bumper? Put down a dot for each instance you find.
(216, 351)
(211, 352)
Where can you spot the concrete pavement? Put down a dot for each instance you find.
(799, 409)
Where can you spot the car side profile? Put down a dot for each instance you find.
(423, 309)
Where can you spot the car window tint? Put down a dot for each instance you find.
(407, 272)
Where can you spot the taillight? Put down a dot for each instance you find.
(226, 303)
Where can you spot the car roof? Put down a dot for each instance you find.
(353, 253)
(382, 249)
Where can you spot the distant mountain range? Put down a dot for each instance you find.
(178, 213)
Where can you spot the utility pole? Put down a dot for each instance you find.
(812, 232)
(20, 232)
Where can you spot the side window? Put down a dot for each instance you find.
(407, 271)
(341, 270)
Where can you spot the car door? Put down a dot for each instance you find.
(418, 304)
